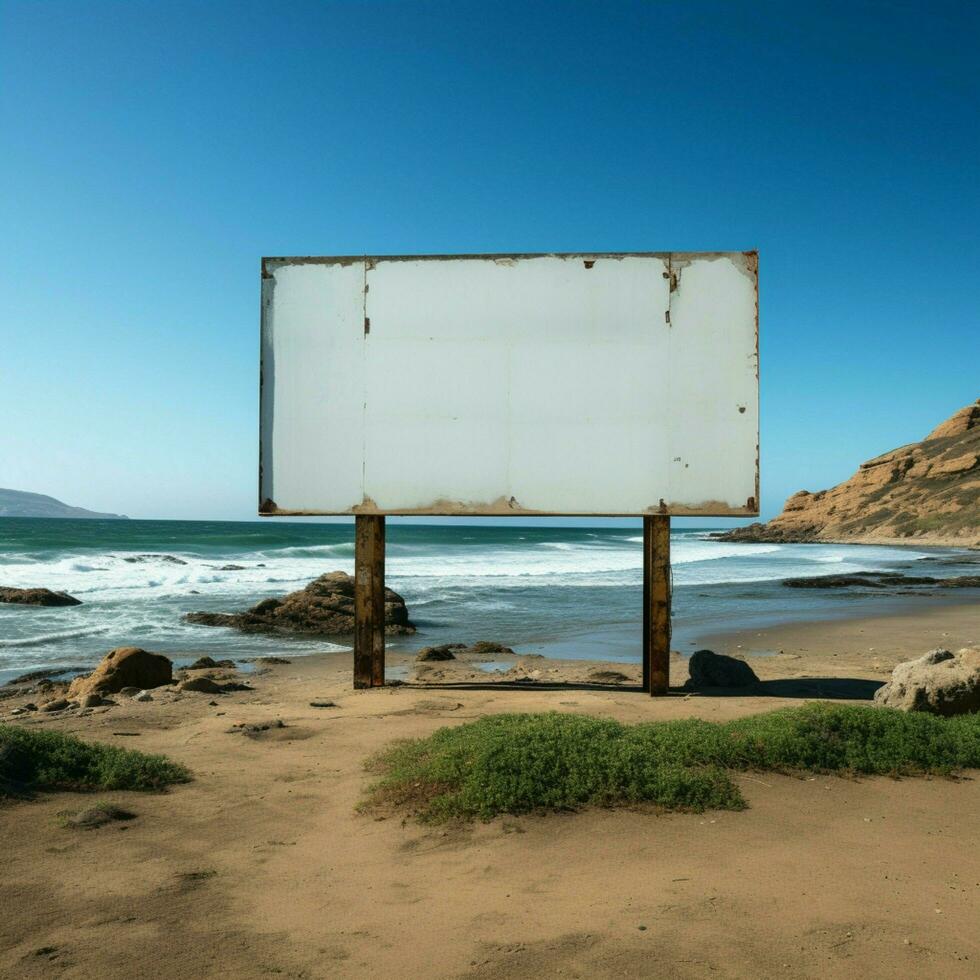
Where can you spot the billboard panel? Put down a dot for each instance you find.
(596, 384)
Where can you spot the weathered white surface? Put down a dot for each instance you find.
(507, 385)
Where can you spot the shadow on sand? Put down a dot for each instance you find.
(834, 688)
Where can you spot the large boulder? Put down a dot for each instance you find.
(124, 667)
(37, 597)
(324, 608)
(709, 669)
(941, 682)
(444, 652)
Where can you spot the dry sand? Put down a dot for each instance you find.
(263, 867)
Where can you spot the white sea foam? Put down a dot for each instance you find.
(452, 583)
(45, 638)
(602, 561)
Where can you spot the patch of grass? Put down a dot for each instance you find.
(519, 763)
(34, 760)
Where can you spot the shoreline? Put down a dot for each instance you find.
(563, 592)
(971, 546)
(801, 635)
(956, 621)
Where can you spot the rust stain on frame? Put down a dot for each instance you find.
(505, 508)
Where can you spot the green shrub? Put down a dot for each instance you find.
(32, 759)
(519, 763)
(856, 739)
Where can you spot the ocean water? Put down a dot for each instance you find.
(559, 591)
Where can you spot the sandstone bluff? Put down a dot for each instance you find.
(924, 493)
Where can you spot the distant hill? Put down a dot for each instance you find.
(19, 503)
(924, 493)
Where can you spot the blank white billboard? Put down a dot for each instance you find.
(602, 384)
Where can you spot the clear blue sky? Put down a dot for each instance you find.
(151, 152)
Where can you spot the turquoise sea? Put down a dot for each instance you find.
(560, 591)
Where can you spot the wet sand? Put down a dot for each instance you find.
(264, 867)
(862, 648)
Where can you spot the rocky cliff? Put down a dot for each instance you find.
(924, 493)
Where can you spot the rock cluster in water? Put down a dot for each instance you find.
(324, 608)
(882, 580)
(37, 597)
(450, 651)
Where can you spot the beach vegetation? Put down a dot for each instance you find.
(32, 759)
(520, 763)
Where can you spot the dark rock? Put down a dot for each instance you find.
(323, 703)
(124, 667)
(203, 685)
(709, 669)
(324, 608)
(481, 650)
(232, 568)
(206, 685)
(37, 597)
(486, 646)
(206, 663)
(881, 580)
(959, 582)
(255, 728)
(865, 580)
(140, 559)
(274, 660)
(444, 652)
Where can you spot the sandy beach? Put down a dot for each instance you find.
(263, 866)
